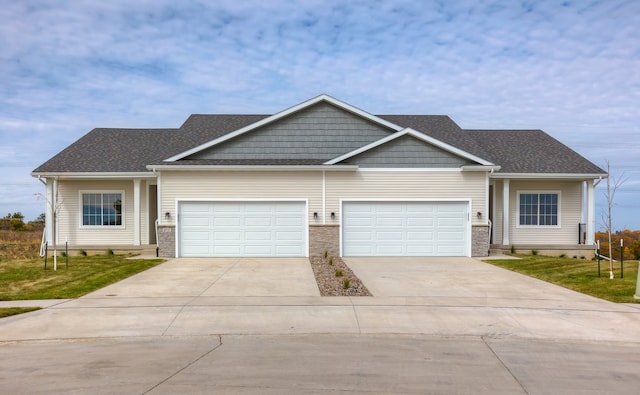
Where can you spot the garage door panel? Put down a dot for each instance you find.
(226, 250)
(196, 208)
(230, 208)
(388, 221)
(222, 221)
(404, 228)
(258, 221)
(200, 237)
(354, 221)
(258, 236)
(451, 236)
(451, 222)
(389, 236)
(359, 236)
(420, 250)
(242, 229)
(391, 250)
(258, 250)
(197, 221)
(289, 236)
(419, 236)
(289, 221)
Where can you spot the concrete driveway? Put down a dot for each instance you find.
(453, 278)
(259, 326)
(202, 277)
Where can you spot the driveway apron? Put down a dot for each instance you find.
(193, 277)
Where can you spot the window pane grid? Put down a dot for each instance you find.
(102, 209)
(539, 209)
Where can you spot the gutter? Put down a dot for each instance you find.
(558, 176)
(253, 167)
(489, 168)
(92, 175)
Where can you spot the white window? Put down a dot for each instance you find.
(102, 208)
(538, 208)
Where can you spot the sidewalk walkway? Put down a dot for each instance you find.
(43, 303)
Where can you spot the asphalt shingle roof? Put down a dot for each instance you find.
(131, 150)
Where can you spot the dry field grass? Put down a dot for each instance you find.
(19, 245)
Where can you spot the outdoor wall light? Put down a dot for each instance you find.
(167, 215)
(479, 215)
(333, 215)
(315, 215)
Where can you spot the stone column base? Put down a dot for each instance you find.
(167, 241)
(324, 238)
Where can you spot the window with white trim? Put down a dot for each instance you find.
(538, 209)
(102, 208)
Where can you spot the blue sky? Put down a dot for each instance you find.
(571, 68)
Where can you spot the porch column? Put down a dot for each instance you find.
(505, 212)
(48, 214)
(591, 212)
(136, 211)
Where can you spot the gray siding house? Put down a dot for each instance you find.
(320, 176)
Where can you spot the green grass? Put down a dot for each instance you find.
(28, 280)
(579, 275)
(7, 311)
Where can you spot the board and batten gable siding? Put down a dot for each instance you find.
(407, 151)
(70, 211)
(406, 185)
(320, 132)
(570, 213)
(238, 186)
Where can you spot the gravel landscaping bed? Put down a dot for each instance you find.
(325, 269)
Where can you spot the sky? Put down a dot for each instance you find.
(571, 68)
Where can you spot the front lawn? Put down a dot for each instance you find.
(28, 280)
(579, 275)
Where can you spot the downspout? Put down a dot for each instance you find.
(158, 210)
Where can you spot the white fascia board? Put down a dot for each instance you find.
(480, 168)
(251, 168)
(418, 135)
(282, 114)
(547, 176)
(92, 175)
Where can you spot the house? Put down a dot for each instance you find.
(320, 176)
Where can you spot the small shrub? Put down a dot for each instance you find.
(331, 261)
(563, 255)
(346, 283)
(513, 249)
(82, 252)
(534, 252)
(575, 257)
(326, 254)
(109, 251)
(339, 273)
(582, 257)
(63, 254)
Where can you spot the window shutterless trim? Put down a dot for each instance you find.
(102, 192)
(538, 193)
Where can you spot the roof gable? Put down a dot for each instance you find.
(286, 113)
(440, 152)
(321, 131)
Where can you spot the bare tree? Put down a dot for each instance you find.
(613, 184)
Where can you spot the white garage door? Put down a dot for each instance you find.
(242, 229)
(404, 229)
